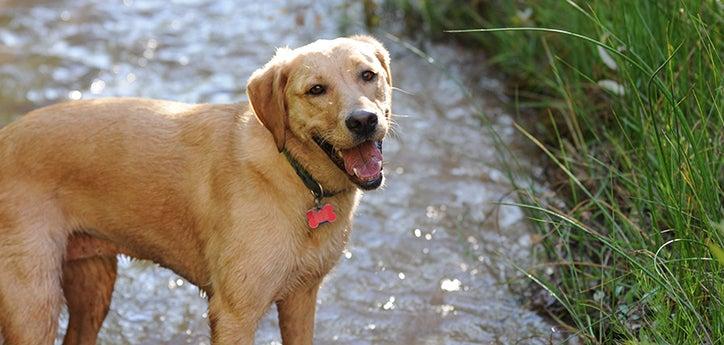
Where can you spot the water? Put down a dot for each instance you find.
(429, 258)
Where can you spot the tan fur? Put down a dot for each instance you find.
(200, 189)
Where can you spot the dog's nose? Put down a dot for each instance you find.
(362, 122)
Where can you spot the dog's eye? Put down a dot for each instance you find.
(368, 75)
(317, 90)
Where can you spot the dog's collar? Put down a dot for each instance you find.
(308, 180)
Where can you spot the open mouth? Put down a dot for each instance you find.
(362, 163)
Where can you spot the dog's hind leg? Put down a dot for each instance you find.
(31, 251)
(88, 286)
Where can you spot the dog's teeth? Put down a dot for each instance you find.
(355, 172)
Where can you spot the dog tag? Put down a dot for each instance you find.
(320, 215)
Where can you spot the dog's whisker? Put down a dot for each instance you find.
(325, 136)
(394, 130)
(403, 115)
(394, 123)
(403, 91)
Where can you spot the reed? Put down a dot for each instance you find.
(630, 95)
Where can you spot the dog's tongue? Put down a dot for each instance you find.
(363, 161)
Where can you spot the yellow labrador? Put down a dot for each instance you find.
(253, 204)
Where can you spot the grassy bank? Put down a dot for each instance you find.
(629, 97)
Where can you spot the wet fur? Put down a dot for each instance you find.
(200, 189)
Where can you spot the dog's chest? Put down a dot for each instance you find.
(320, 249)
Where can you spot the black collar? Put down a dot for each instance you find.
(309, 181)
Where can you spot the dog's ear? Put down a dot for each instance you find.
(380, 52)
(266, 90)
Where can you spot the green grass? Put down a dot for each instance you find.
(628, 100)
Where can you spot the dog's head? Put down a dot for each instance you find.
(335, 94)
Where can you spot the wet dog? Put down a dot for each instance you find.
(252, 203)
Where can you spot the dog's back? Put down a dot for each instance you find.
(69, 136)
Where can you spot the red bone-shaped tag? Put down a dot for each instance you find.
(320, 215)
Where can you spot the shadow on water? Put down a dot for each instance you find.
(423, 264)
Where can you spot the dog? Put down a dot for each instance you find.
(253, 203)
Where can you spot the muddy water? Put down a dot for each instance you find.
(428, 261)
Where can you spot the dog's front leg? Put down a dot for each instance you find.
(296, 315)
(243, 288)
(233, 320)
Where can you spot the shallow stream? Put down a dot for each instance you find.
(429, 258)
